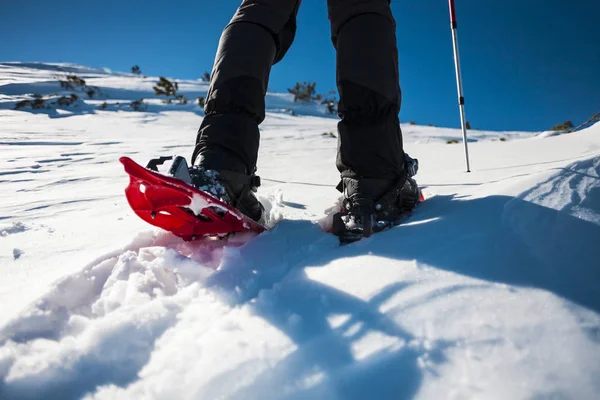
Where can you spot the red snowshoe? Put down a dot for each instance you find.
(178, 207)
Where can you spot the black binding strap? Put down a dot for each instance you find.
(384, 201)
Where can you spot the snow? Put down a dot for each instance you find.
(489, 291)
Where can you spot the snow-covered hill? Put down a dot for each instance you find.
(490, 291)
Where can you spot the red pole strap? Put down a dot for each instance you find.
(452, 14)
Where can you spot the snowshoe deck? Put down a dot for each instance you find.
(175, 206)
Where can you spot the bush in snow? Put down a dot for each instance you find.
(468, 125)
(165, 87)
(564, 127)
(136, 70)
(206, 77)
(103, 106)
(66, 101)
(452, 141)
(200, 101)
(37, 103)
(138, 105)
(305, 91)
(72, 82)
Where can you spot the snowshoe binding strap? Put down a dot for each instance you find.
(155, 162)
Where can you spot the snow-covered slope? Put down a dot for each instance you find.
(490, 291)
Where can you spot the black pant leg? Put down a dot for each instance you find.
(257, 37)
(370, 140)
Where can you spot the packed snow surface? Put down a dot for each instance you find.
(489, 291)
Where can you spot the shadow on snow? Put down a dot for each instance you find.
(496, 239)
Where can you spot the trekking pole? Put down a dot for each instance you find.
(461, 98)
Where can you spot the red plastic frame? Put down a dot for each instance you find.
(164, 202)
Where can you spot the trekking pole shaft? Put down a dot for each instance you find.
(461, 98)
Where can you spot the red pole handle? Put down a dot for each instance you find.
(452, 13)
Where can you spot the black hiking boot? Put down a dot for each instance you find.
(233, 188)
(373, 205)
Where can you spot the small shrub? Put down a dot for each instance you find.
(502, 139)
(206, 77)
(165, 87)
(565, 126)
(91, 93)
(138, 105)
(329, 134)
(103, 106)
(66, 85)
(305, 91)
(136, 70)
(468, 125)
(66, 101)
(452, 141)
(22, 104)
(412, 123)
(72, 82)
(200, 101)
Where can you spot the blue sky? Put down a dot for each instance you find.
(527, 65)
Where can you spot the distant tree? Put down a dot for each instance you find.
(200, 101)
(412, 123)
(165, 87)
(206, 76)
(565, 126)
(103, 106)
(136, 70)
(305, 91)
(468, 125)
